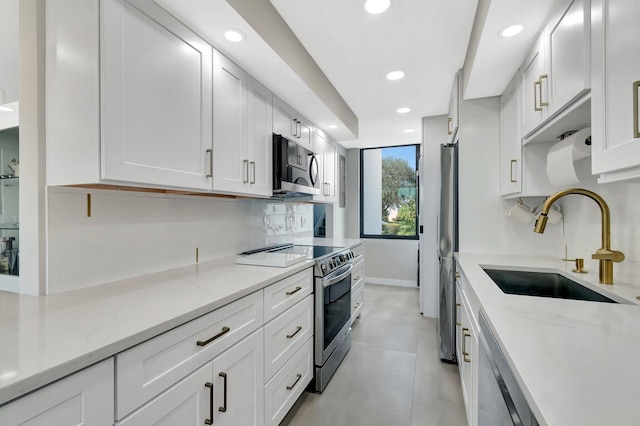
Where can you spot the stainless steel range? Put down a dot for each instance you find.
(332, 293)
(332, 314)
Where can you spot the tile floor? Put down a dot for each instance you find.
(392, 375)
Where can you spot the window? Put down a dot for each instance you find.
(388, 192)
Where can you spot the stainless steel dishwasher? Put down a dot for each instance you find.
(500, 399)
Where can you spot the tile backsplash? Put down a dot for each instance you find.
(130, 234)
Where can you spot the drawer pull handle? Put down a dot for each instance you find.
(512, 180)
(224, 397)
(209, 421)
(465, 354)
(636, 129)
(245, 168)
(297, 289)
(290, 336)
(253, 169)
(298, 377)
(449, 121)
(457, 306)
(356, 306)
(358, 277)
(225, 330)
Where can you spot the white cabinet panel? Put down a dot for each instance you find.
(615, 81)
(238, 383)
(282, 295)
(531, 86)
(185, 403)
(230, 151)
(290, 124)
(327, 153)
(286, 334)
(510, 142)
(283, 390)
(156, 97)
(84, 398)
(260, 139)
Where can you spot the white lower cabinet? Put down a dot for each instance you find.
(84, 398)
(225, 391)
(467, 329)
(284, 389)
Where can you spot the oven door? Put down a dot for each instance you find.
(333, 311)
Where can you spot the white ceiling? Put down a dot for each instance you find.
(428, 39)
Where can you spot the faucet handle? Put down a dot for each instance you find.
(606, 254)
(579, 265)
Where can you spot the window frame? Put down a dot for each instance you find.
(390, 237)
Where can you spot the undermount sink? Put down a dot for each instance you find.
(543, 284)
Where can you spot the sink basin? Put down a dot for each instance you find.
(543, 284)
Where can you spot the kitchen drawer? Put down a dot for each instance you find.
(284, 294)
(357, 274)
(284, 389)
(186, 402)
(286, 334)
(357, 302)
(358, 252)
(144, 371)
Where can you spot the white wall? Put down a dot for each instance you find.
(9, 49)
(372, 197)
(131, 234)
(337, 216)
(352, 223)
(433, 135)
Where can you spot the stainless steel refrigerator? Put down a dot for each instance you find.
(447, 245)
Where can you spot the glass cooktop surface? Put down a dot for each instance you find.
(312, 252)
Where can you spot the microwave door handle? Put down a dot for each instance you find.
(313, 170)
(334, 280)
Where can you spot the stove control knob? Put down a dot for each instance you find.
(341, 258)
(323, 267)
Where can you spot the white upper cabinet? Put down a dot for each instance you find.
(556, 71)
(242, 129)
(155, 97)
(531, 71)
(290, 124)
(454, 106)
(510, 142)
(327, 153)
(615, 81)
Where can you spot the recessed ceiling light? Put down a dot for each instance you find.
(7, 109)
(333, 126)
(234, 35)
(511, 30)
(403, 110)
(409, 130)
(395, 75)
(376, 6)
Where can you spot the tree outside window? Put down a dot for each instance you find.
(389, 192)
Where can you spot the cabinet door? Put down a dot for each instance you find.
(568, 56)
(533, 108)
(458, 319)
(330, 169)
(260, 139)
(84, 398)
(155, 97)
(510, 143)
(305, 133)
(452, 119)
(283, 119)
(230, 153)
(238, 382)
(188, 402)
(615, 86)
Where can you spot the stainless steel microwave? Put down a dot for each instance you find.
(295, 169)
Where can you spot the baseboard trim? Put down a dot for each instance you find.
(389, 281)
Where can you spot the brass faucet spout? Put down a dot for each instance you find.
(604, 254)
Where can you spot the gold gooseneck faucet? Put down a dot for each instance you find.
(605, 255)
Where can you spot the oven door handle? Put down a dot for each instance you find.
(326, 282)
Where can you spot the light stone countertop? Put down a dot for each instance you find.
(48, 337)
(329, 242)
(576, 361)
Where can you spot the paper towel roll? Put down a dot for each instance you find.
(561, 169)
